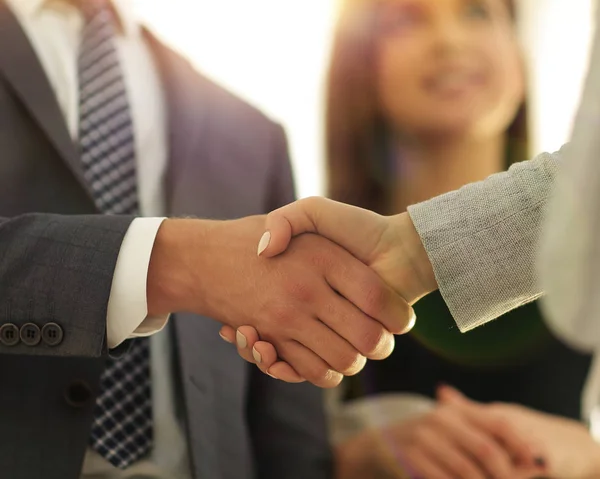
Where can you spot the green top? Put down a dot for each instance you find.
(517, 335)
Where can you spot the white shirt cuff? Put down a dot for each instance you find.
(127, 315)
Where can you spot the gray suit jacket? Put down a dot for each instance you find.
(226, 160)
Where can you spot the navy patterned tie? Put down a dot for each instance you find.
(122, 427)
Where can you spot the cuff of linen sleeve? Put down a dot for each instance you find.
(479, 277)
(127, 314)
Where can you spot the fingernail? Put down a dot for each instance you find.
(411, 322)
(224, 338)
(241, 340)
(540, 462)
(256, 355)
(264, 242)
(413, 319)
(269, 374)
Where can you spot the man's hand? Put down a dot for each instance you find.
(389, 245)
(569, 450)
(322, 309)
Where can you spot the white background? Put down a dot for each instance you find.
(274, 53)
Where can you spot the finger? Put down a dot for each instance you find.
(227, 334)
(265, 355)
(355, 229)
(424, 466)
(338, 353)
(522, 452)
(308, 365)
(490, 459)
(457, 462)
(284, 372)
(324, 342)
(368, 292)
(362, 332)
(266, 359)
(450, 457)
(230, 335)
(245, 337)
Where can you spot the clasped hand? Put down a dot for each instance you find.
(388, 247)
(323, 309)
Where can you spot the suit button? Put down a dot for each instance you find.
(78, 394)
(52, 334)
(30, 334)
(9, 334)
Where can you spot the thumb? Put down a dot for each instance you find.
(279, 230)
(354, 229)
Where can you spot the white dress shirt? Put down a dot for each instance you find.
(54, 28)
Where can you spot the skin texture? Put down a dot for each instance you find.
(390, 246)
(318, 305)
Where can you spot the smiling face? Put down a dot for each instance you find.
(446, 67)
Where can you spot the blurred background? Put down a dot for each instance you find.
(273, 53)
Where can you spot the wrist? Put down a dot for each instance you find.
(402, 236)
(171, 284)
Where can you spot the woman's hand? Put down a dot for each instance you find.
(261, 353)
(389, 245)
(445, 443)
(569, 449)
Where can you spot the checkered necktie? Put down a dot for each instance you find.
(122, 428)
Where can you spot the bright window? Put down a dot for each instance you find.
(274, 53)
(271, 52)
(557, 38)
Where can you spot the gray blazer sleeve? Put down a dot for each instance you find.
(58, 269)
(287, 421)
(482, 240)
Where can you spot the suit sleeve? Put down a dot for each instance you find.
(482, 240)
(287, 421)
(57, 269)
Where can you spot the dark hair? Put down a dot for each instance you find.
(356, 132)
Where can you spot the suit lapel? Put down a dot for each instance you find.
(22, 70)
(187, 109)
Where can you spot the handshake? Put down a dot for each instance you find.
(330, 286)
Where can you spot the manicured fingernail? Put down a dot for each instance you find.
(256, 355)
(224, 338)
(241, 340)
(540, 462)
(413, 320)
(264, 242)
(410, 323)
(269, 374)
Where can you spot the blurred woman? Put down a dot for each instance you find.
(424, 97)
